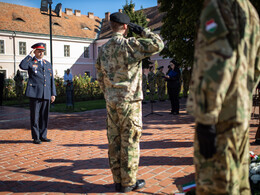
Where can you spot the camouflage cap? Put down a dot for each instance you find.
(119, 18)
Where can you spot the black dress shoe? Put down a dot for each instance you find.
(138, 185)
(118, 187)
(256, 142)
(37, 141)
(45, 140)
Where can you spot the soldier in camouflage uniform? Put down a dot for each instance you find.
(160, 81)
(119, 73)
(144, 85)
(225, 73)
(151, 82)
(186, 74)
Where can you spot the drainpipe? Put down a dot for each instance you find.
(94, 61)
(14, 35)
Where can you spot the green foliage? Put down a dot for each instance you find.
(19, 85)
(180, 28)
(80, 106)
(9, 89)
(84, 89)
(137, 17)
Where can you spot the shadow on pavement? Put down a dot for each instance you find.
(69, 181)
(143, 145)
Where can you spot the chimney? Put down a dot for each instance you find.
(68, 11)
(77, 12)
(120, 10)
(107, 18)
(91, 15)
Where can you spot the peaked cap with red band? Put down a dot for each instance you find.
(40, 46)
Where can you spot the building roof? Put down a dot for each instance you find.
(30, 20)
(152, 14)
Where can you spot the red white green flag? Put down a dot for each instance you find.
(211, 26)
(188, 187)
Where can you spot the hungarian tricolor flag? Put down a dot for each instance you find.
(211, 26)
(187, 187)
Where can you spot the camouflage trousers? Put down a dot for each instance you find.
(144, 92)
(161, 92)
(227, 172)
(124, 129)
(152, 92)
(185, 89)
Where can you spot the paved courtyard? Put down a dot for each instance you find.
(76, 161)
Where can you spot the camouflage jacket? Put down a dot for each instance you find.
(227, 66)
(119, 66)
(144, 81)
(151, 79)
(160, 79)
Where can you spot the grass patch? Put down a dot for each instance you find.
(79, 106)
(61, 107)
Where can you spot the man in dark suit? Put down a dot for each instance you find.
(41, 91)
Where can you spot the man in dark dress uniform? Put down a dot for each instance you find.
(40, 89)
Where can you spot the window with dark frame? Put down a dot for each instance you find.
(2, 47)
(66, 51)
(86, 52)
(22, 48)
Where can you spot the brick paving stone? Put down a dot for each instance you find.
(76, 161)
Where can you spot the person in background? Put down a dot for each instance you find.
(173, 86)
(144, 86)
(151, 82)
(226, 71)
(119, 73)
(69, 88)
(186, 74)
(41, 91)
(160, 81)
(18, 85)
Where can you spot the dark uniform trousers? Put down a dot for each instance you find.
(39, 89)
(39, 117)
(173, 91)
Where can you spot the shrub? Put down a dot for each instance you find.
(85, 88)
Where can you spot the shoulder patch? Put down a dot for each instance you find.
(212, 23)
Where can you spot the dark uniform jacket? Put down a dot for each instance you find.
(41, 81)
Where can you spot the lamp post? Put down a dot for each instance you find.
(44, 8)
(50, 2)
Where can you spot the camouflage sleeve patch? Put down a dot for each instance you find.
(212, 23)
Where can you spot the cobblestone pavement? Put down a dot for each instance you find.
(76, 161)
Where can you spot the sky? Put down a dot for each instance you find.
(98, 7)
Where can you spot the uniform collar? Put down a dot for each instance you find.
(39, 60)
(117, 34)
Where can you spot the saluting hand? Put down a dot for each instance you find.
(32, 53)
(52, 99)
